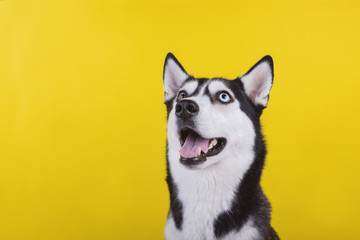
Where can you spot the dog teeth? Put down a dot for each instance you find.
(199, 152)
(213, 143)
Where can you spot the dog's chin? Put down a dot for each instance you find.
(208, 163)
(207, 149)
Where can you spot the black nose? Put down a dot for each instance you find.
(186, 109)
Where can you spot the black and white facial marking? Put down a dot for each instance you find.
(215, 153)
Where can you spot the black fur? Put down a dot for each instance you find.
(200, 81)
(207, 93)
(249, 198)
(176, 207)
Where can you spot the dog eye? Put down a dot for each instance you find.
(181, 96)
(224, 97)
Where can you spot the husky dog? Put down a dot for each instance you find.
(216, 153)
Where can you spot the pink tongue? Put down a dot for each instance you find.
(192, 145)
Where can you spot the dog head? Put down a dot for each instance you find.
(211, 121)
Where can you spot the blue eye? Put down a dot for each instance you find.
(224, 97)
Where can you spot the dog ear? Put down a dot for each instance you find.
(258, 81)
(174, 75)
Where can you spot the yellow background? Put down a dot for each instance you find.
(82, 123)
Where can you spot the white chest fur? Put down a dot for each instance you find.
(204, 195)
(247, 232)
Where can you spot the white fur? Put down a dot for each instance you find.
(171, 232)
(208, 191)
(190, 87)
(247, 232)
(216, 86)
(174, 77)
(258, 82)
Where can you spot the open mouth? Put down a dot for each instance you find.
(195, 149)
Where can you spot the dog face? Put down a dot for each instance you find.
(213, 121)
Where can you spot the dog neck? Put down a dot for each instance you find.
(199, 197)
